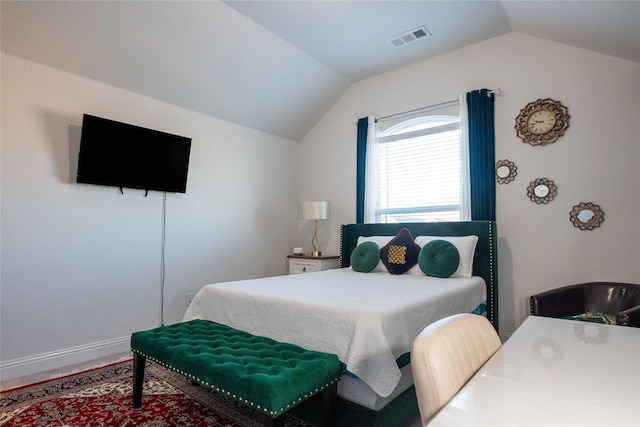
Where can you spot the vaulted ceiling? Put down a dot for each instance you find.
(278, 66)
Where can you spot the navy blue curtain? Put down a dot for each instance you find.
(361, 160)
(482, 157)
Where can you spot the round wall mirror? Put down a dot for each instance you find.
(506, 171)
(586, 216)
(503, 171)
(542, 190)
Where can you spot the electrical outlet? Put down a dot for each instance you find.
(189, 298)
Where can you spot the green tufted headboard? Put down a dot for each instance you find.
(485, 261)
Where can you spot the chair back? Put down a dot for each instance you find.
(610, 297)
(614, 299)
(446, 355)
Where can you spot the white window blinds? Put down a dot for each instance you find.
(419, 170)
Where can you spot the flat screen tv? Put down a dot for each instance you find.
(123, 155)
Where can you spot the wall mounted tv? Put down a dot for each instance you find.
(123, 155)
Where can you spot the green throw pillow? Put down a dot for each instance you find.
(365, 257)
(439, 258)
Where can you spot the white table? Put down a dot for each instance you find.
(554, 372)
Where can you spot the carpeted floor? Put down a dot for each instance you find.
(102, 397)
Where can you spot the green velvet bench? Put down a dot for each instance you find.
(269, 376)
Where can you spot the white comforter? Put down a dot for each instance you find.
(367, 319)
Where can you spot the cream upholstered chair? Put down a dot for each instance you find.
(446, 355)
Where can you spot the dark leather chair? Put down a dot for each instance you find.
(621, 300)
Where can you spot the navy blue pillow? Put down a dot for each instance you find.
(401, 253)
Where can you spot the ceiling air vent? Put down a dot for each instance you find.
(410, 36)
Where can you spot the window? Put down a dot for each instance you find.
(417, 182)
(419, 176)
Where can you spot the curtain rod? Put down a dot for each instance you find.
(496, 92)
(430, 107)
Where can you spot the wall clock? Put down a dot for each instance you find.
(542, 122)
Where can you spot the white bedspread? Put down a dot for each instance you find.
(367, 319)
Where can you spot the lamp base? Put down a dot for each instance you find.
(316, 253)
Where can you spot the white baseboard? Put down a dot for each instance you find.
(62, 358)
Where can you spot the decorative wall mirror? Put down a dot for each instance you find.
(506, 171)
(542, 190)
(586, 216)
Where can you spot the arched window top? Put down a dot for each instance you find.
(420, 123)
(420, 127)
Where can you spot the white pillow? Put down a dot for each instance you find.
(466, 246)
(380, 241)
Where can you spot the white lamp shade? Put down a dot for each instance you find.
(314, 210)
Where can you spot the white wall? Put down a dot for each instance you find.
(596, 161)
(81, 263)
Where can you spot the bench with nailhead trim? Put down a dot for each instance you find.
(269, 376)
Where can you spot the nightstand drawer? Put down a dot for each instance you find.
(308, 264)
(303, 267)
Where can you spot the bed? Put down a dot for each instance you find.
(368, 319)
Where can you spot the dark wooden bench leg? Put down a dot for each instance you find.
(267, 421)
(329, 406)
(138, 379)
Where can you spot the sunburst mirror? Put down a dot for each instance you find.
(586, 216)
(542, 190)
(506, 171)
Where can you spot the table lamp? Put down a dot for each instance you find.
(315, 211)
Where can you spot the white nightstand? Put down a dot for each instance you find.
(308, 264)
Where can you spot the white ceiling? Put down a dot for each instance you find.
(278, 66)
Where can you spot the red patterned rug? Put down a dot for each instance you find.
(102, 397)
